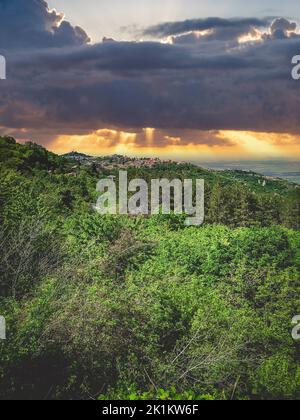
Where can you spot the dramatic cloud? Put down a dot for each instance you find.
(237, 76)
(281, 28)
(30, 24)
(222, 29)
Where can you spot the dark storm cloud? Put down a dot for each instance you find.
(123, 57)
(57, 83)
(283, 25)
(228, 28)
(30, 24)
(281, 28)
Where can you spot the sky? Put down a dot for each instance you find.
(178, 79)
(107, 18)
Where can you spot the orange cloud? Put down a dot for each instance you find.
(184, 145)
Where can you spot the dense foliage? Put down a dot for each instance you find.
(145, 308)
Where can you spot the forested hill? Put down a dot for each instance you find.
(234, 198)
(255, 181)
(116, 307)
(29, 157)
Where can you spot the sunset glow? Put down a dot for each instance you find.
(233, 144)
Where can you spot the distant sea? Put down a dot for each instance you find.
(277, 169)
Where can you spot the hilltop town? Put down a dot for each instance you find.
(116, 161)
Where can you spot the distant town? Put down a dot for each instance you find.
(117, 161)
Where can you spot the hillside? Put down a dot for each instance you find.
(233, 198)
(118, 307)
(32, 156)
(116, 162)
